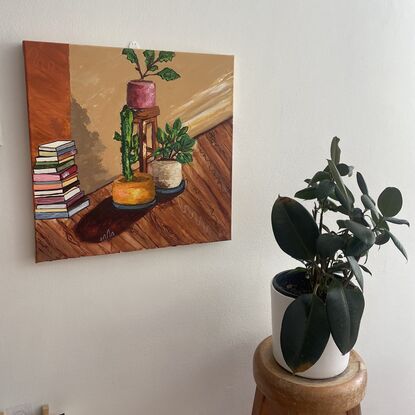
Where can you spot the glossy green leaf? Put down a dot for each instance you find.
(177, 125)
(117, 136)
(305, 332)
(341, 187)
(382, 238)
(168, 74)
(328, 244)
(320, 175)
(345, 307)
(362, 184)
(358, 216)
(355, 247)
(360, 231)
(335, 150)
(398, 244)
(165, 56)
(308, 193)
(390, 201)
(368, 203)
(325, 189)
(357, 272)
(366, 269)
(397, 221)
(150, 56)
(130, 54)
(161, 136)
(183, 130)
(294, 228)
(344, 169)
(184, 158)
(187, 143)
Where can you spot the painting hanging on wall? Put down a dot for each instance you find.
(131, 149)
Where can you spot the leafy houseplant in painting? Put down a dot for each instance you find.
(141, 92)
(175, 149)
(133, 189)
(317, 307)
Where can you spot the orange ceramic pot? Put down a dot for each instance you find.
(136, 192)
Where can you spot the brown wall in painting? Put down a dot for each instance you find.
(48, 92)
(202, 97)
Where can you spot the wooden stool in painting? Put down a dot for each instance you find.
(146, 119)
(278, 392)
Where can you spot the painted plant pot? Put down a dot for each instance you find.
(141, 190)
(284, 289)
(141, 94)
(167, 174)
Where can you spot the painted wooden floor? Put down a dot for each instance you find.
(202, 213)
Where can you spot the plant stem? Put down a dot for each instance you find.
(321, 218)
(139, 69)
(145, 73)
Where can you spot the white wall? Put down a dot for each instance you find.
(173, 330)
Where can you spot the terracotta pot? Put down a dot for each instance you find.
(331, 362)
(137, 192)
(167, 174)
(141, 94)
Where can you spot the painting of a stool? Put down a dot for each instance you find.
(278, 392)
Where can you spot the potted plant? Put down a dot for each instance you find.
(175, 149)
(133, 190)
(317, 307)
(141, 93)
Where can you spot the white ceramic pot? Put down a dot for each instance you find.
(167, 174)
(331, 362)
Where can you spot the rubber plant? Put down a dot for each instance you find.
(175, 143)
(129, 143)
(152, 64)
(333, 260)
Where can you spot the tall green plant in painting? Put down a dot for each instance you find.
(129, 143)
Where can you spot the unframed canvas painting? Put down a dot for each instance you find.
(131, 149)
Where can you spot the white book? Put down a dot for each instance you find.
(56, 145)
(70, 193)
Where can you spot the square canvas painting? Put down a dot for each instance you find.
(131, 149)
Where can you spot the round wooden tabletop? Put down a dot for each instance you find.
(299, 395)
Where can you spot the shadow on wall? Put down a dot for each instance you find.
(89, 160)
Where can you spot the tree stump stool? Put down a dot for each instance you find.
(143, 119)
(278, 392)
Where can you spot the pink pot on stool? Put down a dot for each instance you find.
(141, 94)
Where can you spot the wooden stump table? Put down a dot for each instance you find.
(278, 392)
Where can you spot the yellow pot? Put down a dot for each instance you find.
(136, 192)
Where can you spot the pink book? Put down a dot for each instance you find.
(50, 177)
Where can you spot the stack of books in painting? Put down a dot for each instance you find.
(55, 182)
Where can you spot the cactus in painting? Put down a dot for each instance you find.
(129, 143)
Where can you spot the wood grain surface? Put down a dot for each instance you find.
(202, 213)
(281, 393)
(48, 92)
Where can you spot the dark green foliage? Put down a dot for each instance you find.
(129, 143)
(168, 74)
(175, 143)
(304, 332)
(328, 244)
(151, 60)
(390, 202)
(345, 307)
(331, 258)
(294, 228)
